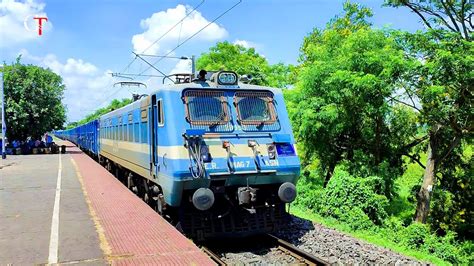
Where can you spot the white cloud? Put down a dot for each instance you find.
(87, 87)
(249, 44)
(245, 44)
(14, 16)
(183, 66)
(160, 22)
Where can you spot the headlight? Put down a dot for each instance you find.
(271, 151)
(227, 78)
(203, 199)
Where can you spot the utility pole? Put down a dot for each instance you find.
(4, 123)
(193, 66)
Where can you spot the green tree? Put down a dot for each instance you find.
(114, 105)
(341, 108)
(443, 84)
(33, 100)
(245, 61)
(452, 15)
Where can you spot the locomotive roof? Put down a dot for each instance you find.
(211, 85)
(192, 85)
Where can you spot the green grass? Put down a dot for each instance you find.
(366, 235)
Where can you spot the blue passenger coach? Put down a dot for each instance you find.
(215, 156)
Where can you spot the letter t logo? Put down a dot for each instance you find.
(40, 24)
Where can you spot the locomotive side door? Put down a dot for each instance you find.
(153, 135)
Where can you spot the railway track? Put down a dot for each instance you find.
(216, 258)
(304, 257)
(300, 256)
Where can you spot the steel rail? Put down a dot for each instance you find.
(216, 258)
(303, 256)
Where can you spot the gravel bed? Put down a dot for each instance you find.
(250, 251)
(270, 256)
(338, 248)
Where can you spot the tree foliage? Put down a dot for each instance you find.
(341, 108)
(115, 104)
(353, 200)
(245, 61)
(451, 15)
(443, 83)
(33, 100)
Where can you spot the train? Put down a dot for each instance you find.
(214, 155)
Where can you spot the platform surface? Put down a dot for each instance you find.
(88, 217)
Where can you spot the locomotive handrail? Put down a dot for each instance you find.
(243, 172)
(244, 134)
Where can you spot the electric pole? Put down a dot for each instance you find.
(4, 123)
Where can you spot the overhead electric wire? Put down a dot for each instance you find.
(129, 64)
(172, 57)
(174, 26)
(192, 36)
(159, 38)
(124, 75)
(161, 72)
(135, 58)
(164, 34)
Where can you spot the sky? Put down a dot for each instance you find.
(86, 40)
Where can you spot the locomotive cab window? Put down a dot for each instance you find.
(255, 108)
(206, 107)
(161, 118)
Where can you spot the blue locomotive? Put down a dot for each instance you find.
(215, 156)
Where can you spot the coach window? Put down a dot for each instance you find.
(130, 132)
(144, 125)
(136, 132)
(161, 118)
(124, 131)
(144, 132)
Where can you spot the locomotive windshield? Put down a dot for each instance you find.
(255, 108)
(206, 107)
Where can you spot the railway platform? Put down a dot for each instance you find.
(67, 209)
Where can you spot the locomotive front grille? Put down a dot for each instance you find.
(207, 110)
(255, 108)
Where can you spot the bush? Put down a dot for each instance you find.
(419, 237)
(308, 193)
(355, 218)
(309, 187)
(414, 235)
(346, 195)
